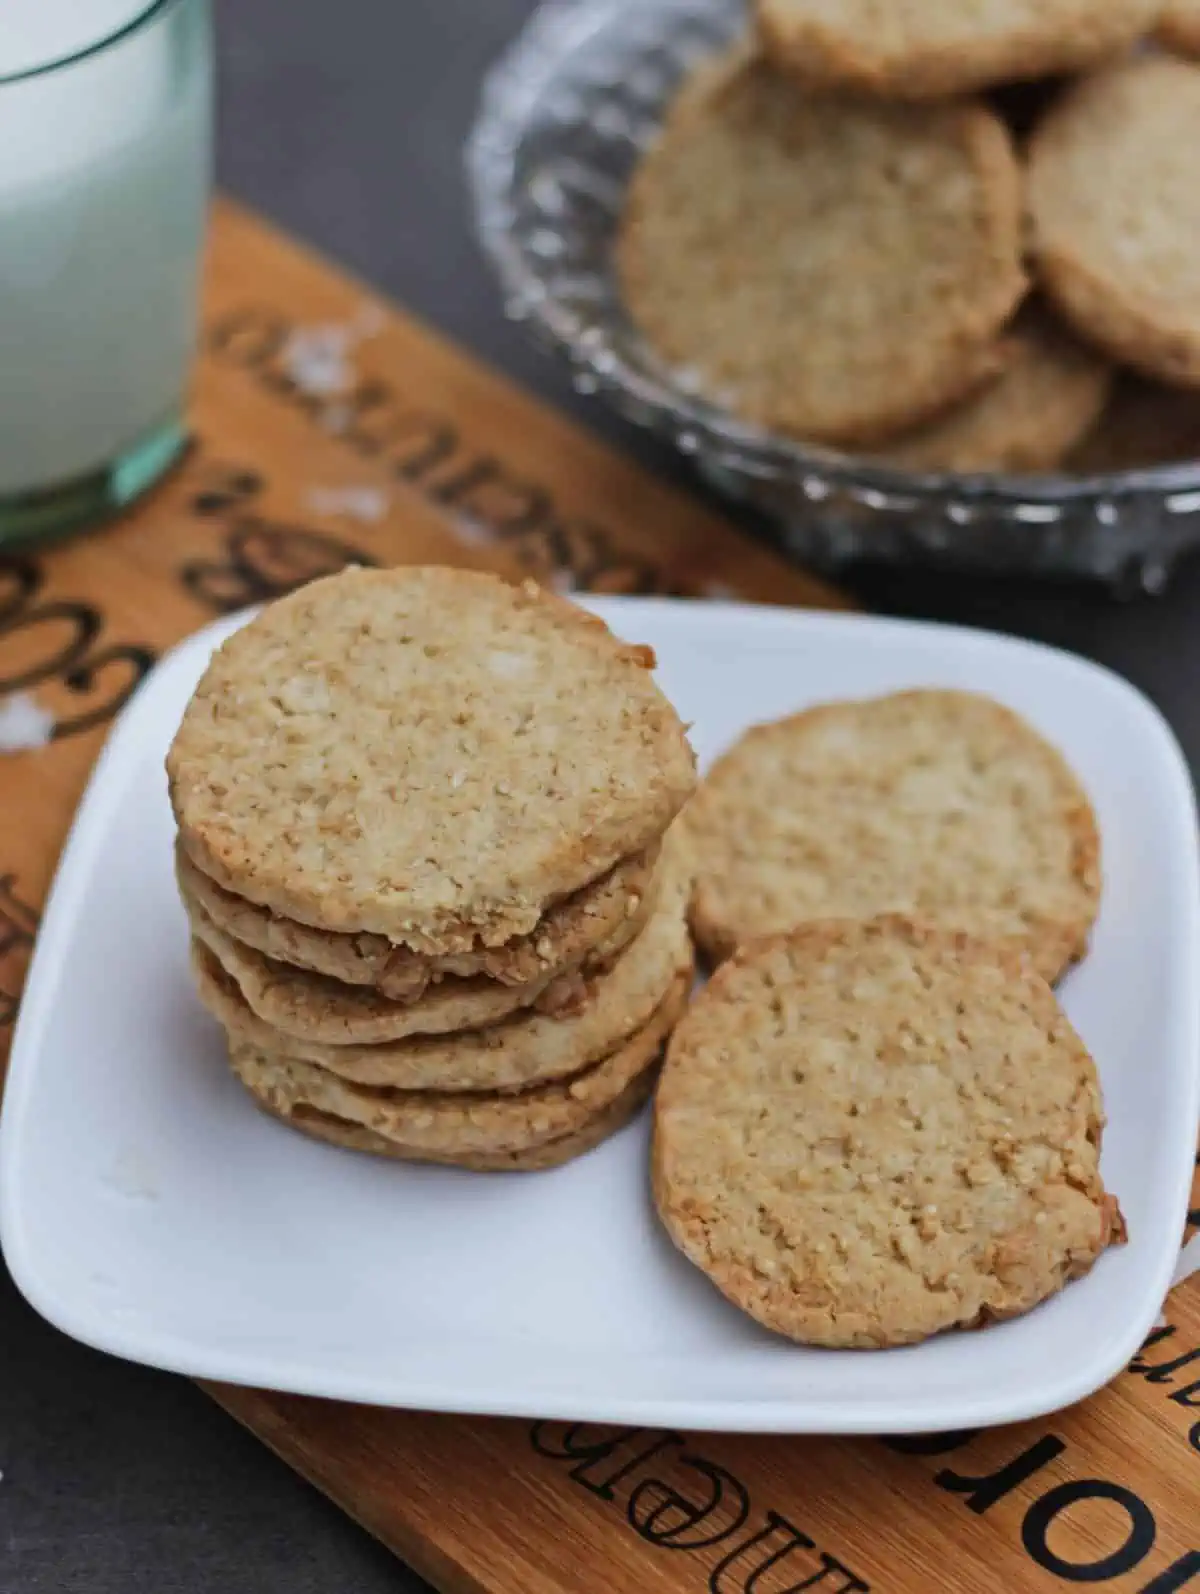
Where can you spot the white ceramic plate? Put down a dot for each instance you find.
(147, 1208)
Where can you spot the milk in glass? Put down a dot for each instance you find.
(104, 173)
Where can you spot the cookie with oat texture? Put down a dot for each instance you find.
(868, 1132)
(835, 270)
(425, 754)
(941, 804)
(933, 49)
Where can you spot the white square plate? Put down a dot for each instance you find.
(148, 1209)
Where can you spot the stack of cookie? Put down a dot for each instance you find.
(426, 848)
(934, 233)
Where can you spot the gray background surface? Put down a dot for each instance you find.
(344, 121)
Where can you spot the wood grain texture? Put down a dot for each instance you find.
(474, 472)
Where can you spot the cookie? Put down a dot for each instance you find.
(565, 934)
(1049, 396)
(456, 1124)
(1115, 214)
(831, 269)
(932, 49)
(941, 804)
(424, 754)
(550, 1154)
(313, 1007)
(524, 1050)
(866, 1133)
(1179, 26)
(1143, 425)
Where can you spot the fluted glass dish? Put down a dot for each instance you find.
(563, 118)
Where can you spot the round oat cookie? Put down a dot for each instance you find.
(931, 49)
(1115, 214)
(942, 804)
(1144, 424)
(564, 935)
(1179, 26)
(527, 1049)
(313, 1007)
(454, 1123)
(425, 754)
(868, 1132)
(833, 270)
(549, 1154)
(1050, 394)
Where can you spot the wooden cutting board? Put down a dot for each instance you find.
(424, 455)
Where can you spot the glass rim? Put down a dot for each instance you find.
(136, 23)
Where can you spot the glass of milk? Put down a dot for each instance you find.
(105, 160)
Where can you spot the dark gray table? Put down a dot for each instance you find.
(344, 120)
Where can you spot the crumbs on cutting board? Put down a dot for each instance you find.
(320, 358)
(365, 503)
(24, 723)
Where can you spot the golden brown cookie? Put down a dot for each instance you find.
(564, 935)
(868, 1132)
(1050, 394)
(932, 49)
(1179, 27)
(829, 269)
(313, 1007)
(527, 1049)
(550, 1154)
(1143, 425)
(425, 754)
(1115, 214)
(455, 1123)
(941, 804)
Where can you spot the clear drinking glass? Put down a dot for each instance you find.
(105, 169)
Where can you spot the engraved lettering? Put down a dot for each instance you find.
(665, 1515)
(983, 1492)
(1138, 1542)
(370, 421)
(589, 554)
(479, 489)
(61, 653)
(832, 1567)
(55, 640)
(18, 926)
(604, 1484)
(263, 560)
(488, 495)
(741, 1571)
(226, 487)
(588, 1446)
(1164, 1372)
(20, 579)
(689, 1503)
(133, 663)
(1176, 1575)
(251, 337)
(1153, 1338)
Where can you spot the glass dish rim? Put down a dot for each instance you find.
(597, 365)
